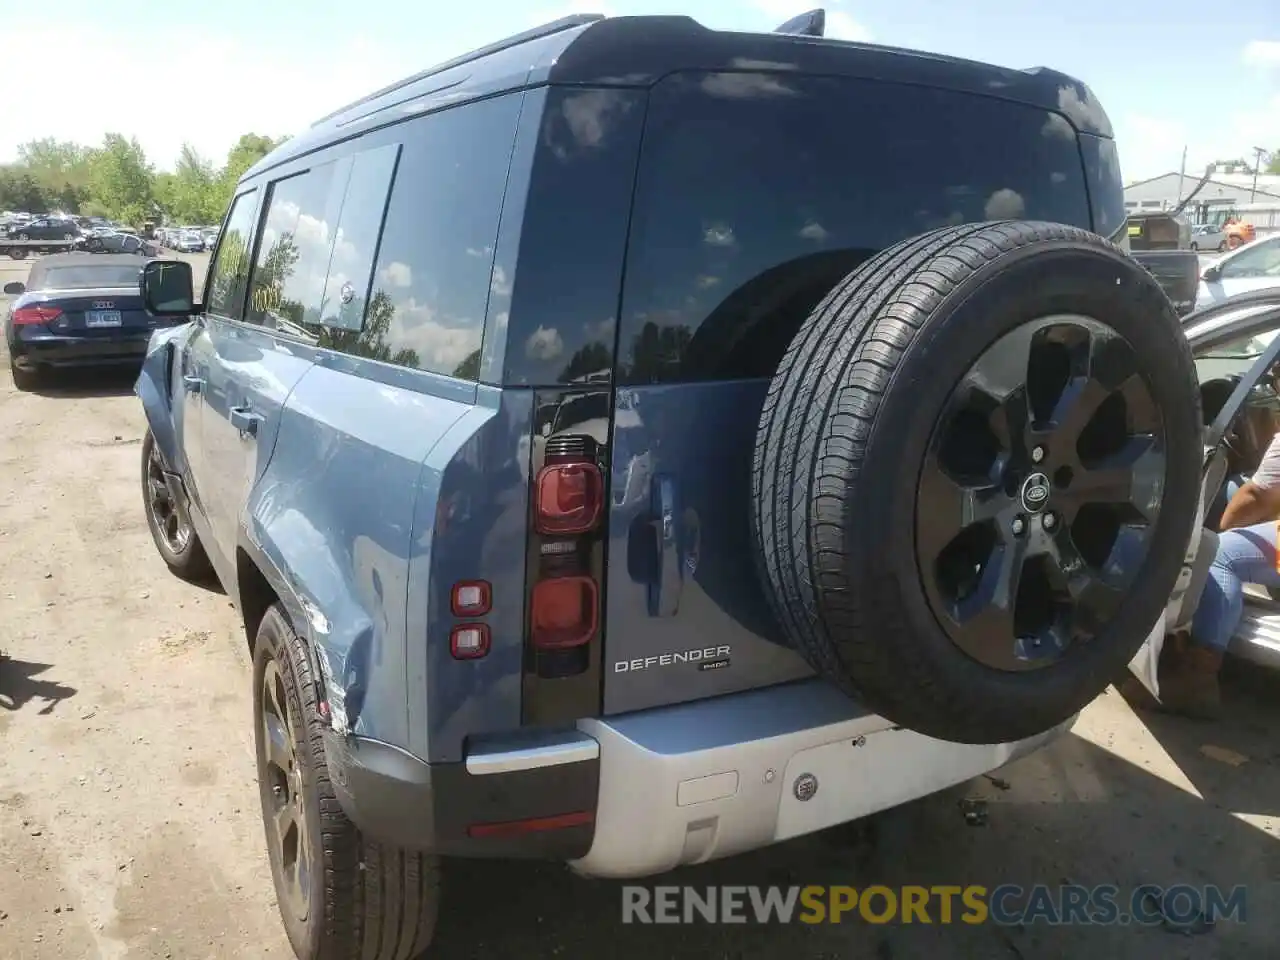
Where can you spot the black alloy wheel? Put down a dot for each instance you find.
(168, 517)
(284, 797)
(1041, 486)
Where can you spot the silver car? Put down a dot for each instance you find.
(1206, 236)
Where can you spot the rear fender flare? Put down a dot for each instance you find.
(338, 632)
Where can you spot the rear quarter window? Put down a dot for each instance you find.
(757, 192)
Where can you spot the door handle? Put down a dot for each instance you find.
(245, 420)
(192, 383)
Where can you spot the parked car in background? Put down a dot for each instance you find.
(118, 241)
(76, 309)
(189, 241)
(46, 228)
(1207, 236)
(1251, 267)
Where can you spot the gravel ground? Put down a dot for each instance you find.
(128, 812)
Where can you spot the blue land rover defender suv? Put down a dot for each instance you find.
(632, 444)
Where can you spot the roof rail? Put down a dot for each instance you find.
(535, 33)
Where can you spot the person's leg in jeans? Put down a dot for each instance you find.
(1245, 555)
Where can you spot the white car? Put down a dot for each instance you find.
(1237, 349)
(1254, 266)
(1205, 236)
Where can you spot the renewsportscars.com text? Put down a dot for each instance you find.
(1006, 905)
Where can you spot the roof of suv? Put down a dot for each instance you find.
(592, 50)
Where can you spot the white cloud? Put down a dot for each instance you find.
(396, 274)
(544, 344)
(1262, 53)
(813, 230)
(1004, 204)
(439, 346)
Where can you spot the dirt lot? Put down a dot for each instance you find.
(128, 812)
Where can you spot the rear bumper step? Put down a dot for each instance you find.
(643, 793)
(696, 782)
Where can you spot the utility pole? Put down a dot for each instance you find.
(1182, 173)
(1258, 154)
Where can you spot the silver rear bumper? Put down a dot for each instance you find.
(695, 782)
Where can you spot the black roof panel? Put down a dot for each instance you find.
(591, 50)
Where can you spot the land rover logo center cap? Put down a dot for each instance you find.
(1035, 493)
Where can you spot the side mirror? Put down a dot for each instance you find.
(167, 290)
(15, 289)
(1211, 274)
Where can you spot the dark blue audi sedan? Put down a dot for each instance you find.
(75, 310)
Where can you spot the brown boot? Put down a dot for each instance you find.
(1190, 686)
(1172, 652)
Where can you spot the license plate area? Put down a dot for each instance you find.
(97, 319)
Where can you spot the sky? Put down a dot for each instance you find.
(1170, 73)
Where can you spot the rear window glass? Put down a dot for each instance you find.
(91, 275)
(757, 192)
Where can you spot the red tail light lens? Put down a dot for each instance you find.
(469, 641)
(564, 612)
(569, 498)
(25, 316)
(471, 598)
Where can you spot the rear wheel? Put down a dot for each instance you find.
(17, 253)
(168, 518)
(1195, 246)
(975, 475)
(341, 895)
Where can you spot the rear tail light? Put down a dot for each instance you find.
(469, 641)
(569, 498)
(35, 314)
(566, 555)
(471, 598)
(564, 612)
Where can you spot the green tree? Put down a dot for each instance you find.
(60, 168)
(1273, 165)
(249, 149)
(19, 190)
(371, 340)
(121, 180)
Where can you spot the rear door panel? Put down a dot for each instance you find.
(686, 617)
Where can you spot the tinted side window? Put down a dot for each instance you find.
(230, 270)
(435, 264)
(756, 193)
(287, 284)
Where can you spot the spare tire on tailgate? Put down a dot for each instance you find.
(975, 476)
